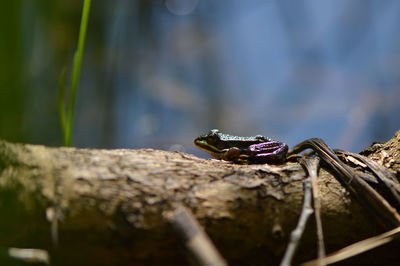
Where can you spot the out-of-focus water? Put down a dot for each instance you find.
(158, 73)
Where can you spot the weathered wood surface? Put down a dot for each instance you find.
(110, 204)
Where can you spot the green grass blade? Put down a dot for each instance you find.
(76, 68)
(61, 103)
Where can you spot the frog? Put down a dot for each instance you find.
(246, 150)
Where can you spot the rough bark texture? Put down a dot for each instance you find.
(110, 205)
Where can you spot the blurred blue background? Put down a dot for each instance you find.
(156, 74)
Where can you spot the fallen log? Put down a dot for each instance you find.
(106, 207)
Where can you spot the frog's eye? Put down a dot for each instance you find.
(213, 132)
(212, 138)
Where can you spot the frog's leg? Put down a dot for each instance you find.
(232, 154)
(269, 152)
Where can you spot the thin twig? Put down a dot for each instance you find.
(358, 248)
(386, 179)
(359, 188)
(31, 255)
(194, 237)
(312, 166)
(296, 234)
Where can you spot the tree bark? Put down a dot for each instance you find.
(106, 207)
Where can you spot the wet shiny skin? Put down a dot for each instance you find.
(256, 149)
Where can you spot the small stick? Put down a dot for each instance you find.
(386, 178)
(32, 255)
(296, 234)
(311, 166)
(359, 188)
(194, 237)
(358, 248)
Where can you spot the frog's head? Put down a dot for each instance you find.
(211, 143)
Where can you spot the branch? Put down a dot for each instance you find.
(114, 199)
(296, 234)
